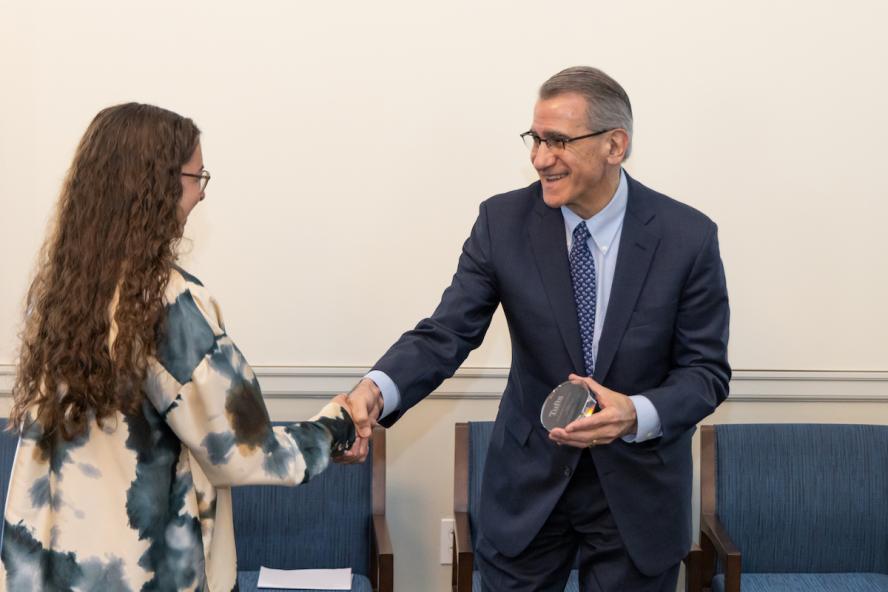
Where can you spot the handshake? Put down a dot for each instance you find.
(364, 405)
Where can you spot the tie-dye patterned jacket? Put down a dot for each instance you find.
(144, 503)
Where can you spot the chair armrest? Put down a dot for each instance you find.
(715, 541)
(693, 566)
(382, 569)
(463, 555)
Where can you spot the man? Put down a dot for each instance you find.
(603, 281)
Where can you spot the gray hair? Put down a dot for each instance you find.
(607, 104)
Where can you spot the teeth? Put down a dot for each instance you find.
(556, 177)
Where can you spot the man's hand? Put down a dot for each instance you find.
(365, 405)
(615, 419)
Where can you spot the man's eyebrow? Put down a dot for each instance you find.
(553, 136)
(547, 133)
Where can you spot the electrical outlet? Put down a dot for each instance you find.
(446, 541)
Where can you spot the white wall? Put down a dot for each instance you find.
(350, 144)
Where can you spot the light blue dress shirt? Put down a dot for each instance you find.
(605, 229)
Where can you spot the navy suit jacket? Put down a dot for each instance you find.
(665, 336)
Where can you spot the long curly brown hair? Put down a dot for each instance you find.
(110, 253)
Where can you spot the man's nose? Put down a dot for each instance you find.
(543, 157)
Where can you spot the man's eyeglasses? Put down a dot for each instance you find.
(555, 144)
(204, 177)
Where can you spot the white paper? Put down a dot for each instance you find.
(316, 579)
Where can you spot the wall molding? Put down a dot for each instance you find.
(757, 386)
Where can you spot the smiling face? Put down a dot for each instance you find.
(585, 175)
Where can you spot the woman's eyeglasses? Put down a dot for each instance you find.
(204, 177)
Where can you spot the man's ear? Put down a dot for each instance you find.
(617, 145)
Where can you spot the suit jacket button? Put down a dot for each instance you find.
(567, 471)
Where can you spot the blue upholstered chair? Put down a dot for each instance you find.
(804, 506)
(335, 520)
(8, 445)
(470, 452)
(470, 445)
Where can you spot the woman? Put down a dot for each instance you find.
(137, 412)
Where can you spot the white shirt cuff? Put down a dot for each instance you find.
(648, 420)
(391, 396)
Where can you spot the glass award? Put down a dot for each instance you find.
(568, 402)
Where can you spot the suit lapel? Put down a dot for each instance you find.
(638, 243)
(549, 243)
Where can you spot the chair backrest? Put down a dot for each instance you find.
(479, 439)
(8, 446)
(325, 523)
(471, 441)
(804, 497)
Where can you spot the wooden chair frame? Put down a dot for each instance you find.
(714, 539)
(381, 555)
(463, 554)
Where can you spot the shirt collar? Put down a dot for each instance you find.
(604, 225)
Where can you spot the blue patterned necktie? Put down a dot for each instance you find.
(582, 273)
